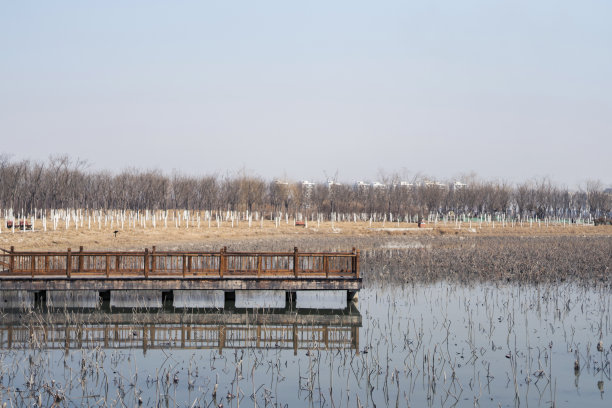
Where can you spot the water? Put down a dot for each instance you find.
(438, 344)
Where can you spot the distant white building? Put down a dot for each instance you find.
(457, 185)
(429, 183)
(362, 185)
(404, 185)
(307, 188)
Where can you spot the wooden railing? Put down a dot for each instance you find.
(179, 264)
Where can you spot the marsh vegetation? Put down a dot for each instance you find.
(420, 344)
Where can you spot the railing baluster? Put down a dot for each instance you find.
(326, 265)
(69, 263)
(222, 260)
(81, 259)
(153, 260)
(12, 260)
(146, 263)
(258, 265)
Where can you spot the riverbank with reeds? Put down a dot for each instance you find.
(404, 254)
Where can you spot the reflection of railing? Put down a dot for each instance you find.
(307, 332)
(184, 337)
(177, 264)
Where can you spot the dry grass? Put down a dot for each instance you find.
(404, 254)
(530, 259)
(138, 238)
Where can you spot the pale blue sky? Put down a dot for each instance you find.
(507, 89)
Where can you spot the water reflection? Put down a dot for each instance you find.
(168, 329)
(438, 344)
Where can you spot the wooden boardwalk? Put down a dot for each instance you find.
(168, 270)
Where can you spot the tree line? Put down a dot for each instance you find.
(62, 182)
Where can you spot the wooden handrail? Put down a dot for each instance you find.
(191, 253)
(184, 264)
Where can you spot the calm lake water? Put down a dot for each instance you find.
(438, 344)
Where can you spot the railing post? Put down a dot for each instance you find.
(153, 259)
(184, 265)
(295, 262)
(81, 259)
(33, 264)
(189, 257)
(326, 265)
(117, 263)
(357, 264)
(69, 263)
(107, 265)
(146, 263)
(259, 265)
(222, 260)
(12, 260)
(46, 263)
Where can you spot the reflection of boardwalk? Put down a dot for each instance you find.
(178, 331)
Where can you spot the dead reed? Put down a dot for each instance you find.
(518, 259)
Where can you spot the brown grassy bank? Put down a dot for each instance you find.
(138, 237)
(536, 254)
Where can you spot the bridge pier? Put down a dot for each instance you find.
(179, 298)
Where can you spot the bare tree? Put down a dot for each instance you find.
(598, 200)
(62, 182)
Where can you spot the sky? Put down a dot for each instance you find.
(507, 90)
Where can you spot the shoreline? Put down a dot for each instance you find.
(349, 233)
(530, 255)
